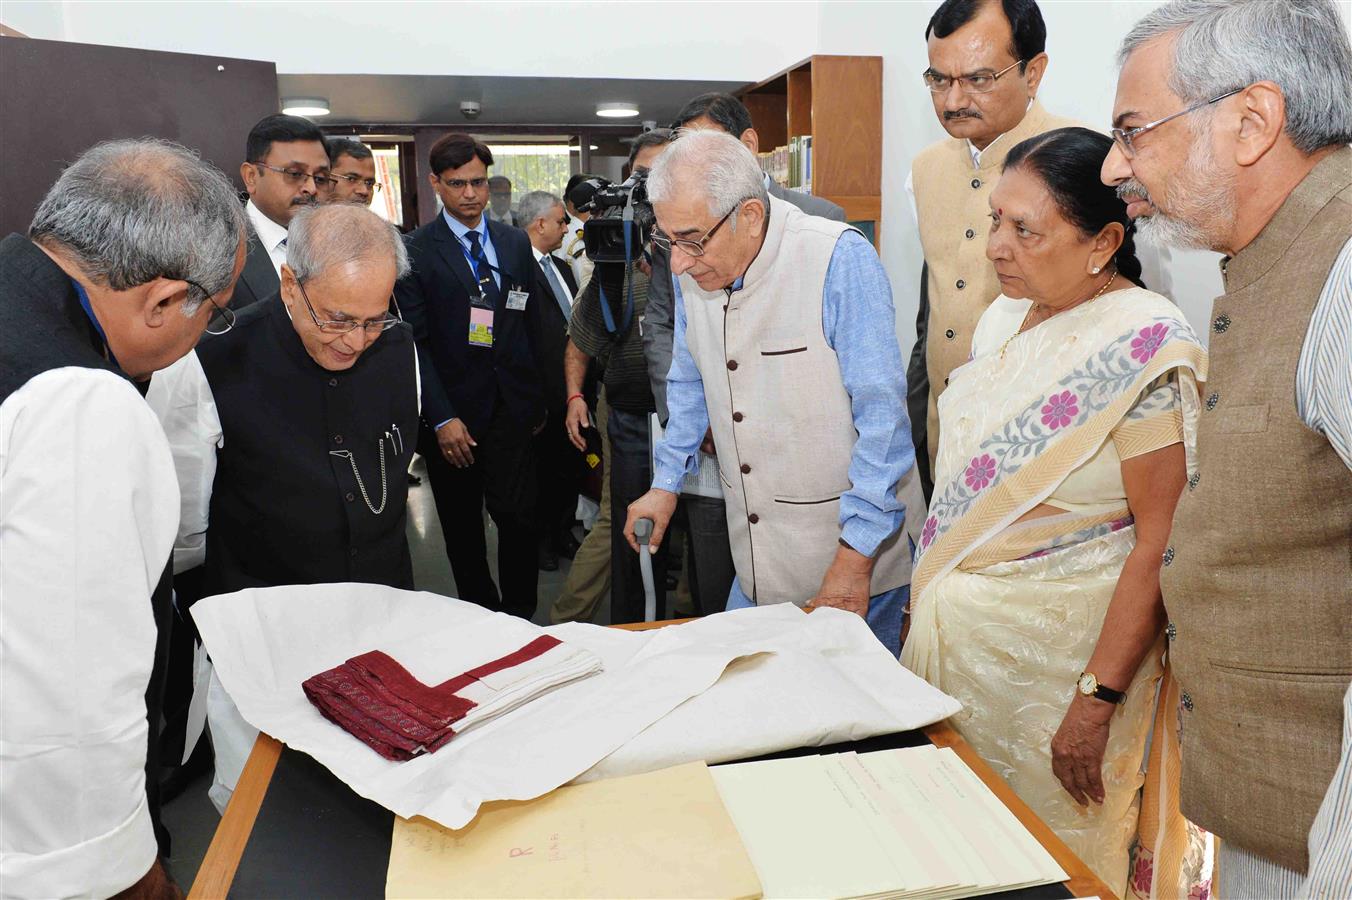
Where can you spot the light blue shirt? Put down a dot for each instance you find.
(858, 322)
(460, 230)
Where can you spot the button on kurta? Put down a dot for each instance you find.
(732, 365)
(753, 518)
(349, 496)
(976, 182)
(1221, 324)
(1186, 700)
(746, 469)
(337, 438)
(333, 382)
(1168, 557)
(1212, 400)
(950, 334)
(969, 234)
(737, 417)
(961, 284)
(1193, 479)
(1171, 631)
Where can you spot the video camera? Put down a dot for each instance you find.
(618, 210)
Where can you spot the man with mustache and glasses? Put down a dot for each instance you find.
(986, 62)
(287, 169)
(1231, 129)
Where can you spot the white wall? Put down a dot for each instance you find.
(732, 40)
(489, 37)
(1082, 40)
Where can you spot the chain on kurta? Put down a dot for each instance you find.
(361, 485)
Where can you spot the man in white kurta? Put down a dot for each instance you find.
(89, 503)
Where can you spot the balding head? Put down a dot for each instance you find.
(342, 261)
(151, 231)
(322, 237)
(128, 212)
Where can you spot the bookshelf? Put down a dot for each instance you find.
(838, 102)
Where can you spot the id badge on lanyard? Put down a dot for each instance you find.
(481, 318)
(480, 306)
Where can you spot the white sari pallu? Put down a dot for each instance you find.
(1005, 616)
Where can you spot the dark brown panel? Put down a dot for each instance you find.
(847, 125)
(800, 101)
(58, 98)
(769, 116)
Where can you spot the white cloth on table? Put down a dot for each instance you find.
(266, 642)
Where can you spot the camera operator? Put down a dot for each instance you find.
(609, 329)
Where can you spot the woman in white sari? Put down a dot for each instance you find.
(1065, 443)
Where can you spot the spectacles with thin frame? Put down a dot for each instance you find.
(352, 179)
(222, 319)
(980, 82)
(692, 248)
(1125, 138)
(459, 184)
(295, 176)
(346, 326)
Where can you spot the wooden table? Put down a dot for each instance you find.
(217, 872)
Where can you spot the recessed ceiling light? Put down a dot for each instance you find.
(305, 106)
(576, 149)
(617, 110)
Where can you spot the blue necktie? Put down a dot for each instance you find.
(557, 287)
(483, 270)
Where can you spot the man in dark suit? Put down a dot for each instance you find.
(467, 298)
(560, 466)
(287, 169)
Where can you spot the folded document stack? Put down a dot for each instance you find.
(400, 716)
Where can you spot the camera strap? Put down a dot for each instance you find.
(628, 317)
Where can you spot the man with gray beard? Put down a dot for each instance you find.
(1232, 121)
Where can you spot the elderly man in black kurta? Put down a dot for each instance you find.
(291, 433)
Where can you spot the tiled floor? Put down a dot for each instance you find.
(190, 817)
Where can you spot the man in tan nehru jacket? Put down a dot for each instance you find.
(986, 61)
(1231, 129)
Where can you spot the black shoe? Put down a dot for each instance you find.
(549, 560)
(413, 480)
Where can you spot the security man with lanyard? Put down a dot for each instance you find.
(483, 399)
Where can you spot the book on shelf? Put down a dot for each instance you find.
(790, 165)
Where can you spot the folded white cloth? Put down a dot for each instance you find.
(264, 643)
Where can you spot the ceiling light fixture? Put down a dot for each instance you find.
(305, 106)
(577, 149)
(617, 110)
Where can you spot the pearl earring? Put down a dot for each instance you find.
(1096, 270)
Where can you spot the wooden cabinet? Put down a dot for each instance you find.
(838, 100)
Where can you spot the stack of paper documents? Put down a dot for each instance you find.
(664, 834)
(914, 823)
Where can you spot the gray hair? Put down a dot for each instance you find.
(131, 211)
(718, 163)
(535, 205)
(321, 237)
(1301, 45)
